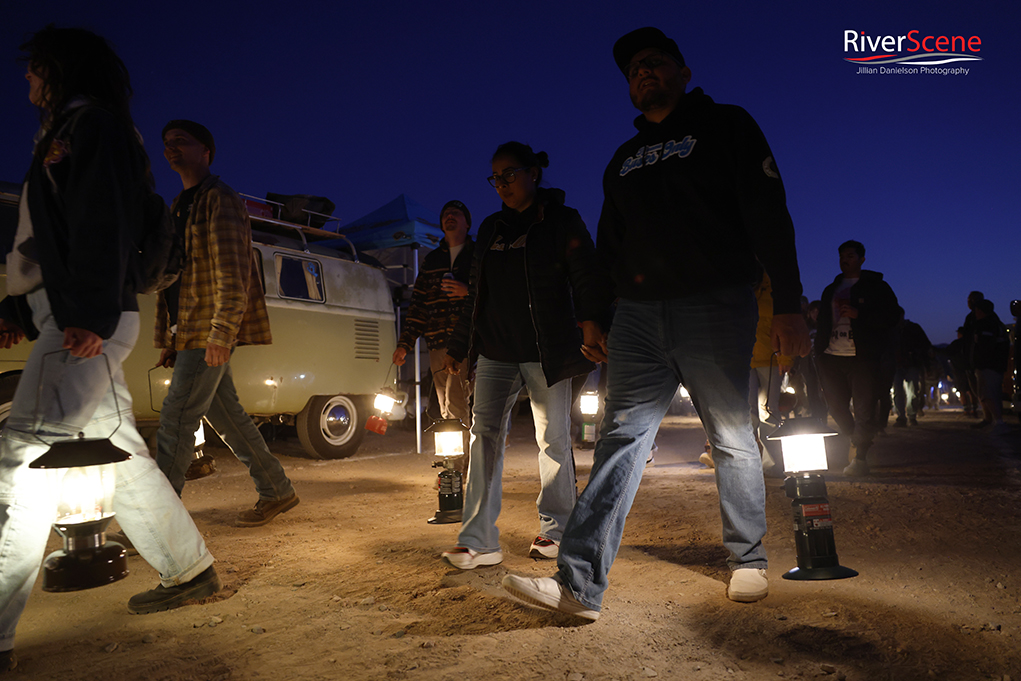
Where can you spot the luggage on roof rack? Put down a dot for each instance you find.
(302, 209)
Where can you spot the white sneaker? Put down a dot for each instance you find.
(544, 548)
(706, 459)
(465, 559)
(857, 467)
(748, 585)
(547, 592)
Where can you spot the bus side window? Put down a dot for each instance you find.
(299, 278)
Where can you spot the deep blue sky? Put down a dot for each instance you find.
(362, 102)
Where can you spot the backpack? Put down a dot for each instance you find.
(159, 246)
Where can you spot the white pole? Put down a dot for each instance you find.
(418, 368)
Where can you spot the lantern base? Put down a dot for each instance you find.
(80, 570)
(445, 517)
(832, 572)
(201, 467)
(87, 559)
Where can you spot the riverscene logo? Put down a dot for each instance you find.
(911, 54)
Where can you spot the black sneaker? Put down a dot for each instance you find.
(8, 661)
(167, 598)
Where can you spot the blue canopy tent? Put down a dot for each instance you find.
(402, 222)
(393, 234)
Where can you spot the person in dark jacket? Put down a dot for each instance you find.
(911, 355)
(857, 314)
(73, 275)
(959, 363)
(534, 281)
(436, 302)
(967, 351)
(990, 351)
(694, 204)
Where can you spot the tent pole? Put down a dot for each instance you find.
(418, 360)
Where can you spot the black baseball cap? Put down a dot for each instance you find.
(641, 39)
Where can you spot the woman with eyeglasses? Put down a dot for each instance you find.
(534, 282)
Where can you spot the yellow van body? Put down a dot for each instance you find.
(334, 334)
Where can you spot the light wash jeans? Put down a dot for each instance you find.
(907, 382)
(705, 342)
(497, 385)
(77, 395)
(198, 390)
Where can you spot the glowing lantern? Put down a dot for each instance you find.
(449, 436)
(804, 454)
(83, 470)
(589, 405)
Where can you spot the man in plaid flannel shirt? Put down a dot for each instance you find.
(435, 307)
(216, 304)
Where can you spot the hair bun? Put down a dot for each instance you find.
(542, 159)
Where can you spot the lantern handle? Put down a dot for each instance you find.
(462, 378)
(39, 392)
(386, 379)
(769, 388)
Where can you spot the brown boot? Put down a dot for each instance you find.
(265, 510)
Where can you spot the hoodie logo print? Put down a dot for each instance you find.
(647, 156)
(499, 245)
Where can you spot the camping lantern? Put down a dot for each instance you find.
(203, 464)
(804, 455)
(589, 405)
(449, 435)
(384, 403)
(83, 470)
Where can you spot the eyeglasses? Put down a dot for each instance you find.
(653, 61)
(508, 176)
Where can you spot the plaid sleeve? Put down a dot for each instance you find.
(230, 254)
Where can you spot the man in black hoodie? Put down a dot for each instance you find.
(857, 314)
(693, 205)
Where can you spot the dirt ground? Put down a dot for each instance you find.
(349, 584)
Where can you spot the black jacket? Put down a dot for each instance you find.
(990, 347)
(564, 286)
(912, 345)
(84, 219)
(877, 315)
(692, 202)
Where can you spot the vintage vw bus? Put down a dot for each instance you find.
(332, 318)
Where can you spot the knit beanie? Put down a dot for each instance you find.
(196, 130)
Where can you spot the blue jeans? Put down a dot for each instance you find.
(852, 386)
(198, 390)
(705, 342)
(497, 385)
(54, 401)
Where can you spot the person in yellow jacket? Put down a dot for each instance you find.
(765, 377)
